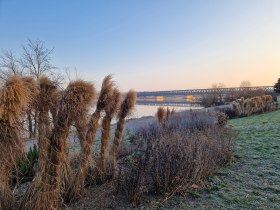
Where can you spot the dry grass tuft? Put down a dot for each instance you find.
(77, 184)
(43, 104)
(45, 193)
(81, 94)
(14, 99)
(48, 91)
(105, 93)
(125, 110)
(81, 119)
(161, 115)
(255, 105)
(33, 88)
(110, 110)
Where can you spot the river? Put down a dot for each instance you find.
(150, 110)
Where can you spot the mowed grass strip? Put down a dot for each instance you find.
(252, 181)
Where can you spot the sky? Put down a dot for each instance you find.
(152, 44)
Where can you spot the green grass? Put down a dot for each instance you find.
(252, 181)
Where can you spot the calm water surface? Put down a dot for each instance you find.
(150, 110)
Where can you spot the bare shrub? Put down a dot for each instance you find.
(180, 159)
(222, 118)
(131, 182)
(171, 159)
(191, 121)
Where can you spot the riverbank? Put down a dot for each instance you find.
(252, 181)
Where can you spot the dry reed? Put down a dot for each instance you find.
(81, 119)
(110, 111)
(258, 104)
(77, 185)
(34, 91)
(161, 115)
(43, 104)
(125, 110)
(14, 99)
(45, 193)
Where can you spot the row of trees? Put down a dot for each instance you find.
(218, 97)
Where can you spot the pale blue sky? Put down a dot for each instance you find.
(152, 44)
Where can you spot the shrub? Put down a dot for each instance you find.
(259, 104)
(222, 118)
(171, 159)
(27, 165)
(277, 86)
(180, 159)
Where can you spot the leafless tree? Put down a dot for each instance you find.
(245, 83)
(9, 65)
(36, 59)
(216, 97)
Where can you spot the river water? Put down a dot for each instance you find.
(138, 112)
(150, 110)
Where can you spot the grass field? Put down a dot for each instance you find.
(252, 180)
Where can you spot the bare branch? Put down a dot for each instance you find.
(36, 58)
(9, 65)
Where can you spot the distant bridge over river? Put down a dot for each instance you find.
(192, 96)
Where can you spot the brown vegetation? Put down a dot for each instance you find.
(43, 105)
(14, 99)
(125, 110)
(76, 186)
(45, 193)
(110, 111)
(167, 157)
(171, 159)
(163, 115)
(255, 105)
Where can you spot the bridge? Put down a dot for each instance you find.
(192, 96)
